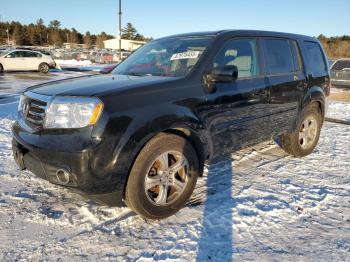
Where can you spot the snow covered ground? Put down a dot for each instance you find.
(256, 204)
(16, 82)
(73, 62)
(83, 65)
(339, 110)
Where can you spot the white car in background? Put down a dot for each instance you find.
(340, 73)
(25, 60)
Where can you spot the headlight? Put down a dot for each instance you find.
(20, 103)
(73, 112)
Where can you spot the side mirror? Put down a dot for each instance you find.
(223, 74)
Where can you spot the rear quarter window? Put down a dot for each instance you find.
(315, 59)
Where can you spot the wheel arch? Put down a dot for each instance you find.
(41, 63)
(196, 138)
(315, 95)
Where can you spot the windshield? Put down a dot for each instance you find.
(4, 52)
(166, 57)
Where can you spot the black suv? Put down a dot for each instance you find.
(143, 133)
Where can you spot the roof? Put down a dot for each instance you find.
(132, 41)
(239, 32)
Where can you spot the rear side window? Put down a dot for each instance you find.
(32, 54)
(315, 59)
(341, 64)
(278, 56)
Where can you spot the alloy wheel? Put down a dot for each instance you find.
(308, 132)
(167, 178)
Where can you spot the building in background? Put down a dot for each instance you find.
(127, 45)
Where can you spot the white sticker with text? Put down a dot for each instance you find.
(185, 55)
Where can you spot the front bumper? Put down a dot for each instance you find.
(52, 65)
(45, 161)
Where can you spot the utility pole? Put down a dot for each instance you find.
(8, 36)
(7, 32)
(120, 30)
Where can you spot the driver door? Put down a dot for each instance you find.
(236, 112)
(15, 61)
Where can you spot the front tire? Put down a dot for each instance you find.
(44, 68)
(305, 138)
(163, 177)
(1, 68)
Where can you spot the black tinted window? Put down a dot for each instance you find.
(16, 54)
(240, 53)
(28, 54)
(32, 54)
(315, 59)
(340, 65)
(278, 56)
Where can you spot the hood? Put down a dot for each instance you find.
(95, 85)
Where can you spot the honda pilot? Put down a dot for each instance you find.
(142, 134)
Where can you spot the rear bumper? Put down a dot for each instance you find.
(83, 178)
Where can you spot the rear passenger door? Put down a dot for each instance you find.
(286, 80)
(32, 60)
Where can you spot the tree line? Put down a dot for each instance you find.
(336, 47)
(39, 34)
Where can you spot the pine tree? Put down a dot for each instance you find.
(74, 36)
(56, 38)
(129, 32)
(87, 40)
(41, 30)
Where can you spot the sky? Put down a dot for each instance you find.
(158, 18)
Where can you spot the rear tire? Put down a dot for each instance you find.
(44, 68)
(1, 68)
(154, 191)
(305, 138)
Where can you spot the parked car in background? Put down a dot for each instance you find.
(340, 73)
(144, 132)
(26, 60)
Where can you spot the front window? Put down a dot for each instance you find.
(166, 57)
(241, 53)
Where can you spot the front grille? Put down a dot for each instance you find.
(33, 109)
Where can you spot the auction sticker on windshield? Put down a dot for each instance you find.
(185, 55)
